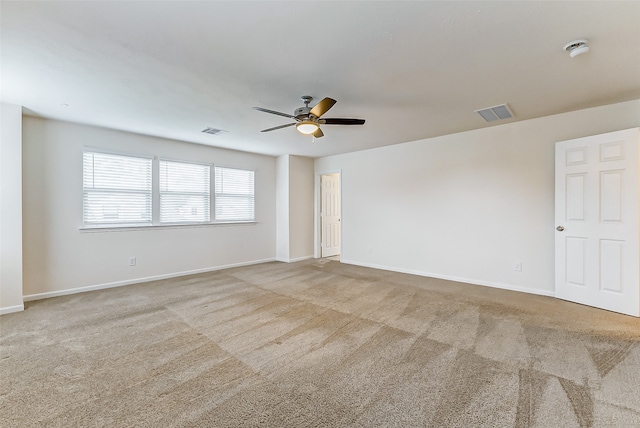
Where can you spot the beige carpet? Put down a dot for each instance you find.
(316, 344)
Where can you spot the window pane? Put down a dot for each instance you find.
(234, 208)
(116, 190)
(117, 208)
(184, 208)
(104, 171)
(184, 177)
(185, 195)
(234, 195)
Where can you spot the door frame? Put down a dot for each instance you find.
(317, 206)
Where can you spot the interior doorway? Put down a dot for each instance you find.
(330, 213)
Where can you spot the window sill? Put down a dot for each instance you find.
(97, 229)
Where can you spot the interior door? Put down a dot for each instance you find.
(597, 239)
(330, 214)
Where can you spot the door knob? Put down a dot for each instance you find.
(560, 228)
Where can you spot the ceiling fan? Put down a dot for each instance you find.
(308, 119)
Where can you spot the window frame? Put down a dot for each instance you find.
(115, 190)
(160, 193)
(215, 195)
(155, 196)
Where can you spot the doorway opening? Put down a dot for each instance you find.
(330, 213)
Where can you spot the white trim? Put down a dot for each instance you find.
(50, 294)
(160, 159)
(90, 149)
(12, 309)
(93, 229)
(297, 259)
(455, 278)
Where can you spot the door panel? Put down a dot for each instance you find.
(575, 196)
(575, 260)
(597, 240)
(611, 256)
(611, 196)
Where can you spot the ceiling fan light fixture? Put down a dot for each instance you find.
(307, 127)
(308, 120)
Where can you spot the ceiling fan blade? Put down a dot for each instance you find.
(278, 127)
(343, 121)
(318, 133)
(322, 107)
(266, 110)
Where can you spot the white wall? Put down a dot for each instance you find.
(464, 206)
(294, 197)
(59, 257)
(301, 207)
(11, 209)
(282, 207)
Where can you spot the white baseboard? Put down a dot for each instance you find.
(49, 294)
(11, 309)
(454, 278)
(297, 259)
(66, 292)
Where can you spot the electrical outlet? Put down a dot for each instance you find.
(132, 261)
(517, 266)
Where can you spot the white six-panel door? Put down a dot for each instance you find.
(330, 214)
(597, 216)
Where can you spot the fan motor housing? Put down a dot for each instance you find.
(302, 111)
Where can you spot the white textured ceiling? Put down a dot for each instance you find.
(412, 69)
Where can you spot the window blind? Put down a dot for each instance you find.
(185, 192)
(116, 190)
(234, 194)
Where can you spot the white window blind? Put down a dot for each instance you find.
(234, 196)
(185, 192)
(116, 190)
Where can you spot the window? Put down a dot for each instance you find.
(116, 190)
(234, 197)
(185, 192)
(130, 191)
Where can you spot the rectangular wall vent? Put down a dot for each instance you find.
(213, 131)
(495, 113)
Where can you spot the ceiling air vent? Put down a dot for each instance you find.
(495, 113)
(213, 131)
